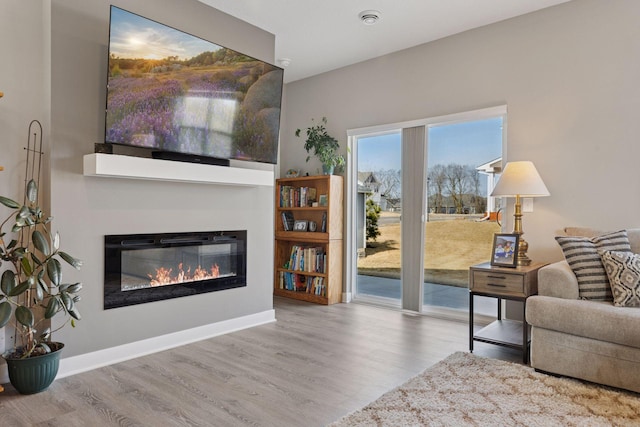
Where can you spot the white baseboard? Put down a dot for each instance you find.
(346, 297)
(97, 359)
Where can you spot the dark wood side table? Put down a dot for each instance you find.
(516, 284)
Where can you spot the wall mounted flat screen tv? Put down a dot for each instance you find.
(172, 92)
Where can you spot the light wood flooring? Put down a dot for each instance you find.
(311, 367)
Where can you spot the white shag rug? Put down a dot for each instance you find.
(468, 390)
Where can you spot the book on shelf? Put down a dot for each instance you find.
(311, 196)
(323, 226)
(301, 197)
(287, 220)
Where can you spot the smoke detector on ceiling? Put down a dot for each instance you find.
(369, 17)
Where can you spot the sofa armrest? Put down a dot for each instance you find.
(557, 280)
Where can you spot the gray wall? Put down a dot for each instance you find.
(569, 76)
(87, 208)
(22, 40)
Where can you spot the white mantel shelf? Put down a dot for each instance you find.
(118, 166)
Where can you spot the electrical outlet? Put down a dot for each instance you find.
(527, 204)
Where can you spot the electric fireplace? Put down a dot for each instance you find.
(142, 268)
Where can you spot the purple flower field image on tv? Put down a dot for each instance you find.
(171, 91)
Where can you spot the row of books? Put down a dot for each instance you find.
(296, 197)
(307, 259)
(287, 221)
(300, 283)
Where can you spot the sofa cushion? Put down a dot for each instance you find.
(584, 232)
(623, 270)
(598, 320)
(582, 255)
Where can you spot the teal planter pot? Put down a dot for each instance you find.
(327, 170)
(34, 374)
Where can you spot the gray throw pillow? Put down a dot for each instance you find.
(623, 269)
(583, 256)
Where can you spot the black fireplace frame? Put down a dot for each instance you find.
(115, 297)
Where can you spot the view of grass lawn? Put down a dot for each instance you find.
(452, 244)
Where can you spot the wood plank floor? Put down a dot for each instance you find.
(314, 365)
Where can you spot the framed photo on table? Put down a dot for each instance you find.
(505, 250)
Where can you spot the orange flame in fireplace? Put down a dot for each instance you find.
(164, 276)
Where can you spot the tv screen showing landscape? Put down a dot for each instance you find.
(170, 91)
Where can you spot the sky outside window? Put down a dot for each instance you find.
(468, 143)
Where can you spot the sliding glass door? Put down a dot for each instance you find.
(419, 209)
(378, 208)
(462, 161)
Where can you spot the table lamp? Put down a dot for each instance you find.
(520, 179)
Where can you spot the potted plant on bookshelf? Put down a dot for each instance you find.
(32, 292)
(323, 145)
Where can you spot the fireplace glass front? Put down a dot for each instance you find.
(142, 268)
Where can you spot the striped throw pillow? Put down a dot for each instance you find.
(583, 256)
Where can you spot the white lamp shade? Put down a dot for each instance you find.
(520, 179)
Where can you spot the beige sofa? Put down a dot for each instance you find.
(591, 340)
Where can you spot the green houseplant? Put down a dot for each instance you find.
(32, 292)
(323, 146)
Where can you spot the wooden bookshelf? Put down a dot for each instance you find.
(308, 264)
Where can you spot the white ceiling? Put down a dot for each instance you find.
(323, 35)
